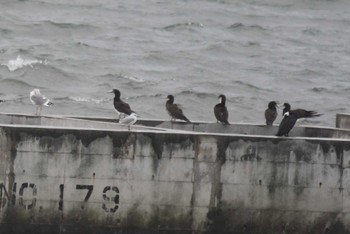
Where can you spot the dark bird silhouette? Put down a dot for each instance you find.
(175, 110)
(299, 113)
(120, 106)
(271, 113)
(287, 124)
(220, 110)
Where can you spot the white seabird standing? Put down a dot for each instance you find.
(39, 100)
(129, 120)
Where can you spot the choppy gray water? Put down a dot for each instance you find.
(76, 51)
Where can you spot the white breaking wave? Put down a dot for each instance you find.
(132, 78)
(83, 99)
(19, 62)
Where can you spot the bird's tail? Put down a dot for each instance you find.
(187, 120)
(48, 103)
(312, 114)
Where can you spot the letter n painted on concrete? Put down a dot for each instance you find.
(5, 196)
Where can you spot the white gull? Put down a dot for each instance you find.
(39, 100)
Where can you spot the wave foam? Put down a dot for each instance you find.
(19, 63)
(132, 78)
(83, 99)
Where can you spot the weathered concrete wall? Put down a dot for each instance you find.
(56, 180)
(342, 121)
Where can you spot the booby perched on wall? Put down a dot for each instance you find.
(220, 110)
(299, 113)
(271, 113)
(287, 124)
(120, 106)
(39, 100)
(175, 110)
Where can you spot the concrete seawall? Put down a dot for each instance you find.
(342, 121)
(97, 178)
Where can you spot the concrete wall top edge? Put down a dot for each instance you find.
(345, 114)
(242, 130)
(113, 120)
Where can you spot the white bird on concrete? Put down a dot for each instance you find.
(39, 100)
(129, 120)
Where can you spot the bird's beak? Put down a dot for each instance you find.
(110, 91)
(278, 106)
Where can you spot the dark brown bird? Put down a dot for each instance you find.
(175, 110)
(120, 106)
(287, 124)
(271, 113)
(299, 113)
(220, 110)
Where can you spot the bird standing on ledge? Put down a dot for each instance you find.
(129, 120)
(271, 113)
(220, 110)
(287, 124)
(175, 110)
(291, 117)
(120, 106)
(39, 100)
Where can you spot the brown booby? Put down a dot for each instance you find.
(220, 110)
(120, 106)
(299, 113)
(271, 113)
(175, 110)
(287, 124)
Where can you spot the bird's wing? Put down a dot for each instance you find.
(38, 99)
(128, 120)
(301, 113)
(221, 113)
(270, 115)
(286, 125)
(123, 107)
(175, 111)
